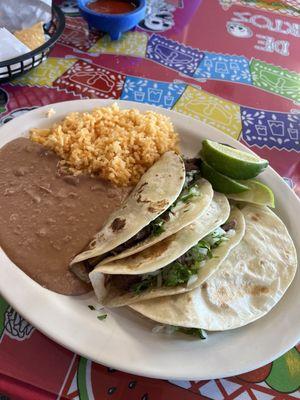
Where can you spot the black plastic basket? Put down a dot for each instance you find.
(17, 66)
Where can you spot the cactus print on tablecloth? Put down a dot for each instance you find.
(12, 324)
(16, 327)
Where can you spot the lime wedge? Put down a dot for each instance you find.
(232, 162)
(258, 193)
(220, 182)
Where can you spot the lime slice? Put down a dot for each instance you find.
(232, 162)
(258, 193)
(220, 182)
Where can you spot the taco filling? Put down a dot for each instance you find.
(171, 329)
(183, 270)
(249, 282)
(156, 227)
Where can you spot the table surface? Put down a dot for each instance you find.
(230, 63)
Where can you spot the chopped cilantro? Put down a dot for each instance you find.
(102, 317)
(179, 271)
(143, 285)
(91, 307)
(193, 191)
(191, 177)
(189, 191)
(157, 226)
(198, 332)
(216, 237)
(171, 329)
(198, 253)
(185, 198)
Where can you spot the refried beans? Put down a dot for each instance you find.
(47, 218)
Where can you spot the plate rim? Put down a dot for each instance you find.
(41, 112)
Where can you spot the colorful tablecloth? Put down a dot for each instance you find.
(234, 64)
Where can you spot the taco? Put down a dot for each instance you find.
(158, 188)
(247, 285)
(177, 264)
(192, 202)
(165, 200)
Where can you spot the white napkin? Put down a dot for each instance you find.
(10, 46)
(19, 14)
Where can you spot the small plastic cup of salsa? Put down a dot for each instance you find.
(113, 16)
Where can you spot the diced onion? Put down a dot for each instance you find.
(204, 333)
(230, 233)
(219, 232)
(192, 279)
(203, 250)
(158, 328)
(98, 307)
(165, 329)
(170, 329)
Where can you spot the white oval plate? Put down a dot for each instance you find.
(124, 340)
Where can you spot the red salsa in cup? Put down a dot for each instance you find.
(111, 6)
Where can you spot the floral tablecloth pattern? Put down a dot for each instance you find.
(234, 64)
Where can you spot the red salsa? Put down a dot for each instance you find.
(111, 6)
